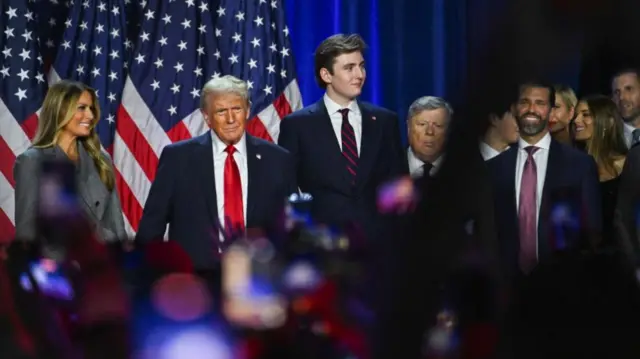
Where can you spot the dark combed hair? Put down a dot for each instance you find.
(626, 70)
(539, 84)
(332, 47)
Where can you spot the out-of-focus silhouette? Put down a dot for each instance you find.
(528, 41)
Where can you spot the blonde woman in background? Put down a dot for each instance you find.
(67, 131)
(599, 128)
(562, 114)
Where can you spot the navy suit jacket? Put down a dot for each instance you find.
(571, 192)
(321, 170)
(183, 194)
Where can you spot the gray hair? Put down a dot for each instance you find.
(223, 84)
(429, 103)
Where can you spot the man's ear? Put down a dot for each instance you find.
(205, 116)
(494, 119)
(325, 75)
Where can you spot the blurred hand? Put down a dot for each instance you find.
(399, 196)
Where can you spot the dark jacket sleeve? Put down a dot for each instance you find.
(625, 218)
(113, 219)
(25, 172)
(157, 209)
(397, 150)
(592, 199)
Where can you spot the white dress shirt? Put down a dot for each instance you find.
(487, 151)
(415, 165)
(219, 158)
(628, 134)
(355, 119)
(541, 158)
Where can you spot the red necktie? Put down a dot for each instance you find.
(233, 209)
(349, 146)
(527, 212)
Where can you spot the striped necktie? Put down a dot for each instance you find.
(349, 146)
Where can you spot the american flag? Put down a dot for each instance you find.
(149, 88)
(22, 86)
(93, 51)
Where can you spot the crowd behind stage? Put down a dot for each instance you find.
(330, 243)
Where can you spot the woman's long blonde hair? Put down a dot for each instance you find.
(607, 141)
(57, 110)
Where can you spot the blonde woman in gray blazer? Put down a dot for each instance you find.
(67, 131)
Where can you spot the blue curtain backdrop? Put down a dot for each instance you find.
(416, 47)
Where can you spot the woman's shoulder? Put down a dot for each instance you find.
(32, 154)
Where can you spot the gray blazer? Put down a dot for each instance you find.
(101, 205)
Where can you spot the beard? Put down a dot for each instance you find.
(529, 128)
(629, 115)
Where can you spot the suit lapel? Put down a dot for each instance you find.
(369, 144)
(90, 186)
(326, 135)
(203, 163)
(507, 197)
(510, 178)
(254, 168)
(554, 167)
(84, 177)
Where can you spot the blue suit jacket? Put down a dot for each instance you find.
(571, 194)
(183, 195)
(321, 170)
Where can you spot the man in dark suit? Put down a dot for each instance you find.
(343, 148)
(546, 194)
(441, 256)
(224, 179)
(626, 218)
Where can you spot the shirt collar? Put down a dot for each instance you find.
(416, 163)
(333, 107)
(628, 128)
(219, 146)
(544, 143)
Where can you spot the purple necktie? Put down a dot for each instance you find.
(527, 212)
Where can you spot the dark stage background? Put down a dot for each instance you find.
(427, 47)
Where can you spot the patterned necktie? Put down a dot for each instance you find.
(233, 208)
(527, 213)
(635, 137)
(349, 146)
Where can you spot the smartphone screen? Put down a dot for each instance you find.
(50, 279)
(252, 298)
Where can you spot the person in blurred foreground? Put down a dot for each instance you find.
(67, 132)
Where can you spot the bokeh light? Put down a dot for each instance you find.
(181, 297)
(196, 343)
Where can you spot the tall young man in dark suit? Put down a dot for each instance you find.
(343, 148)
(224, 179)
(546, 194)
